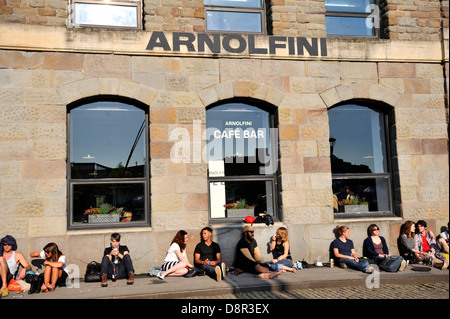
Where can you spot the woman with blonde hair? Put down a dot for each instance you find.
(280, 248)
(55, 272)
(344, 252)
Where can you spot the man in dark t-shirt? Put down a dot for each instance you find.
(207, 256)
(247, 257)
(116, 262)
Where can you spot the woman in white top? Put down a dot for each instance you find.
(176, 262)
(55, 272)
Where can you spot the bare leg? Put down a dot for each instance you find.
(3, 272)
(177, 270)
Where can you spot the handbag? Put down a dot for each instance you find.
(192, 272)
(93, 272)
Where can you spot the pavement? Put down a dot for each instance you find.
(147, 287)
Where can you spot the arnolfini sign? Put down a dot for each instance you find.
(184, 42)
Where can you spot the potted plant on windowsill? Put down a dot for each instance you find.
(353, 205)
(105, 213)
(239, 209)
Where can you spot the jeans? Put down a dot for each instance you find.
(390, 264)
(362, 264)
(123, 268)
(279, 265)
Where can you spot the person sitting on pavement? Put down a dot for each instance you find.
(425, 245)
(12, 259)
(406, 243)
(280, 247)
(376, 249)
(344, 252)
(176, 262)
(208, 257)
(248, 257)
(116, 262)
(55, 271)
(443, 241)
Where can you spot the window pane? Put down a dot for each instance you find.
(348, 6)
(238, 140)
(373, 193)
(106, 15)
(352, 26)
(233, 21)
(359, 135)
(126, 198)
(235, 3)
(257, 195)
(107, 140)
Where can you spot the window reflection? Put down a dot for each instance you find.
(359, 135)
(107, 141)
(106, 15)
(127, 200)
(359, 163)
(241, 168)
(238, 137)
(351, 26)
(233, 21)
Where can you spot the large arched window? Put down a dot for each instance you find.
(242, 161)
(360, 161)
(108, 164)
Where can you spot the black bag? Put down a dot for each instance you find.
(35, 282)
(93, 272)
(266, 219)
(192, 272)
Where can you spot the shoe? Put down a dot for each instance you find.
(104, 280)
(218, 271)
(4, 292)
(130, 279)
(160, 275)
(224, 269)
(403, 265)
(343, 266)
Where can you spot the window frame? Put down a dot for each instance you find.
(145, 180)
(274, 178)
(376, 31)
(262, 11)
(129, 3)
(388, 175)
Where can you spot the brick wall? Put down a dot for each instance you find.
(400, 19)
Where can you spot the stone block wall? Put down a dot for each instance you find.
(400, 19)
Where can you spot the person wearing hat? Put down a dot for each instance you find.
(10, 263)
(248, 258)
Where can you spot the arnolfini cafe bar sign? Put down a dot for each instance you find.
(202, 43)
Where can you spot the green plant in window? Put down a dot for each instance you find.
(240, 204)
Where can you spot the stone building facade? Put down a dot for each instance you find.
(48, 67)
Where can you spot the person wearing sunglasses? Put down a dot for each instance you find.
(248, 258)
(12, 259)
(376, 249)
(55, 269)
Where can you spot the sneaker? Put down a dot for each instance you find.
(104, 280)
(224, 270)
(160, 275)
(343, 266)
(403, 265)
(130, 279)
(218, 271)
